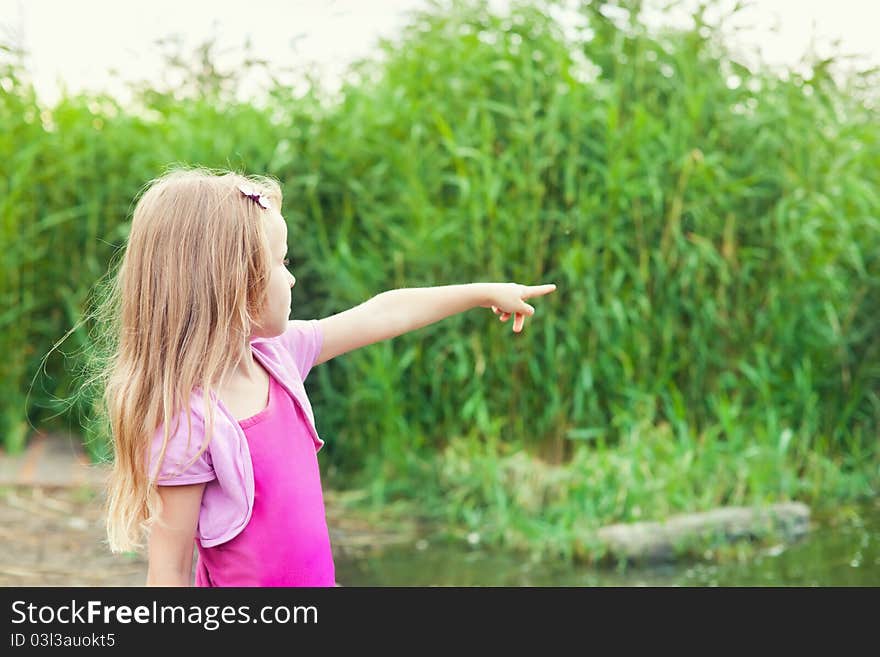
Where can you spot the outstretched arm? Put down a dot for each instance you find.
(396, 312)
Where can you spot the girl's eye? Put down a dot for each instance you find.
(287, 262)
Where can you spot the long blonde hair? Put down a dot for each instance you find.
(177, 315)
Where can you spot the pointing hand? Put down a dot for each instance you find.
(508, 299)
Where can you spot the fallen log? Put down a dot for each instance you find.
(684, 534)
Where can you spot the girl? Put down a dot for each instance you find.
(213, 434)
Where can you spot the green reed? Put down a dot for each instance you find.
(713, 231)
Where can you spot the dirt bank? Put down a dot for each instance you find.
(54, 536)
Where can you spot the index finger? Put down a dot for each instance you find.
(538, 290)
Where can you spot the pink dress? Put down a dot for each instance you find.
(286, 541)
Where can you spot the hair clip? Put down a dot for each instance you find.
(256, 197)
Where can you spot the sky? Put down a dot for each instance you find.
(78, 45)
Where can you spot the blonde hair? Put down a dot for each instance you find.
(177, 315)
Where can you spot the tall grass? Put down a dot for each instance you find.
(713, 230)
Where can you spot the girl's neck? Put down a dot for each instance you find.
(247, 372)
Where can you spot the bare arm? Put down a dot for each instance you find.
(171, 537)
(396, 312)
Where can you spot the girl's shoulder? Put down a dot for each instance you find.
(182, 457)
(187, 429)
(301, 343)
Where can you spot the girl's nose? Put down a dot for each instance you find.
(292, 280)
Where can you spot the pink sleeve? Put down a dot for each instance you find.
(303, 339)
(178, 467)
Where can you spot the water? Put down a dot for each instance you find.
(844, 551)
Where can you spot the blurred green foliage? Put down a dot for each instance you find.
(713, 229)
